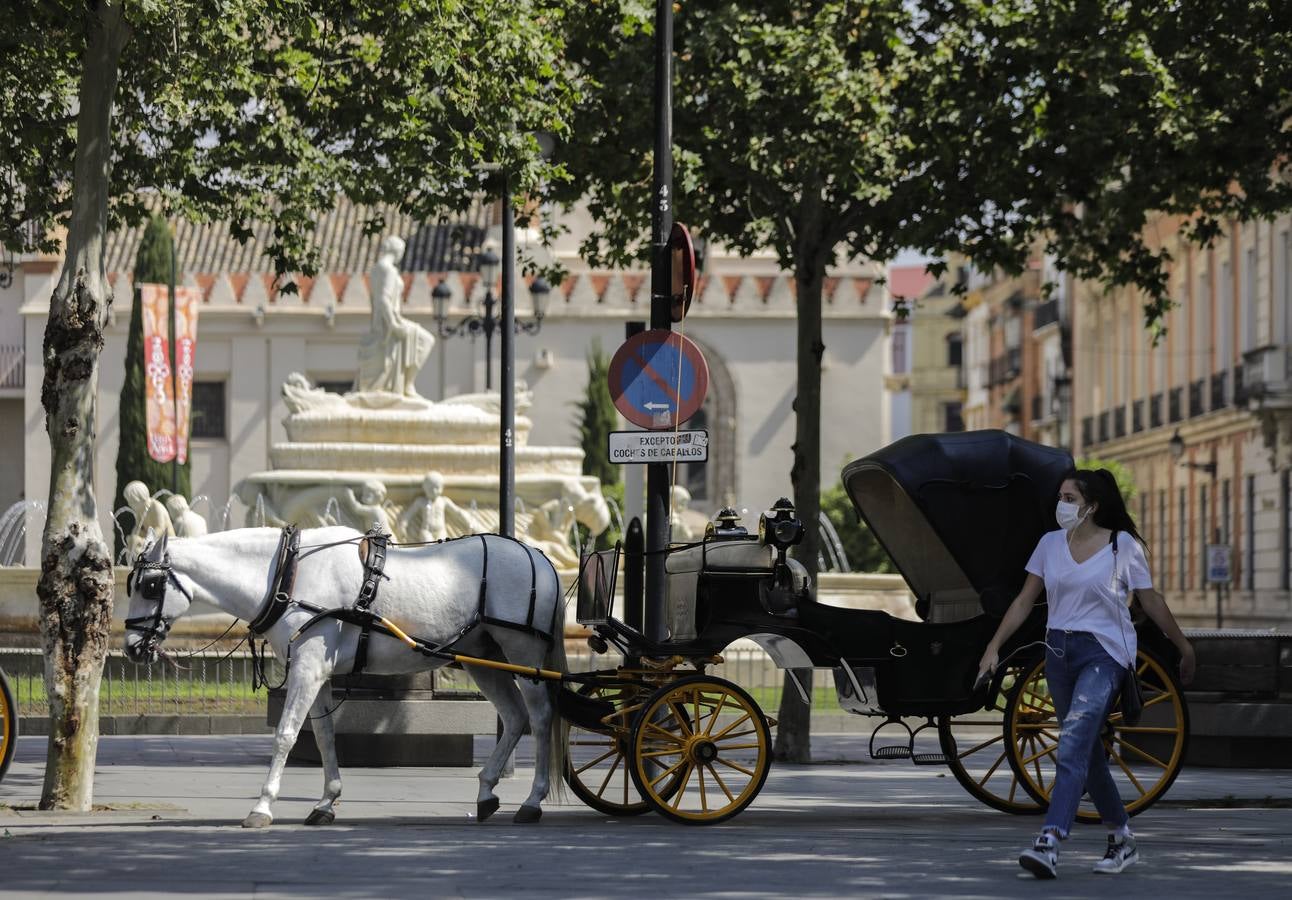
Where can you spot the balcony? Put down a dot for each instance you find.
(1196, 389)
(1267, 373)
(1173, 398)
(1219, 383)
(11, 368)
(1155, 410)
(1045, 314)
(1240, 389)
(1137, 416)
(1087, 431)
(1005, 367)
(1104, 422)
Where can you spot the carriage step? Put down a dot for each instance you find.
(894, 752)
(929, 759)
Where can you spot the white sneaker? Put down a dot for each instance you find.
(1043, 859)
(1119, 856)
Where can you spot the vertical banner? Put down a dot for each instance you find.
(187, 299)
(159, 403)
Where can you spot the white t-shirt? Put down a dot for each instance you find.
(1090, 596)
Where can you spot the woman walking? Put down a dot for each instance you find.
(1088, 568)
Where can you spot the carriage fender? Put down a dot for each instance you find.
(784, 652)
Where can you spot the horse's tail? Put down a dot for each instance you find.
(559, 733)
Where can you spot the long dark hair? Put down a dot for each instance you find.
(1100, 486)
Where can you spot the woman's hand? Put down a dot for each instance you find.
(987, 665)
(1188, 664)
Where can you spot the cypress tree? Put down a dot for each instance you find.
(152, 266)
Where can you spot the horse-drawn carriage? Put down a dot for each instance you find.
(959, 514)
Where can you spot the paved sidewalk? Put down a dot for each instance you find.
(845, 829)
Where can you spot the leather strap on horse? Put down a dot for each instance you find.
(279, 596)
(373, 553)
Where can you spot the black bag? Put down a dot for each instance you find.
(1132, 698)
(1132, 695)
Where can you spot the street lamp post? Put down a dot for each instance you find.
(487, 322)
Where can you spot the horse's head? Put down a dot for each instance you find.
(157, 599)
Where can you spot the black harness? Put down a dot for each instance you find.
(152, 576)
(279, 597)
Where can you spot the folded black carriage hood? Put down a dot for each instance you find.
(961, 511)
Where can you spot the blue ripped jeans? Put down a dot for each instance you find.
(1084, 682)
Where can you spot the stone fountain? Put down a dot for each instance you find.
(381, 454)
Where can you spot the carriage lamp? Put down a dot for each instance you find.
(779, 527)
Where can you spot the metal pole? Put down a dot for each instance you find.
(657, 474)
(174, 374)
(1220, 617)
(634, 544)
(507, 372)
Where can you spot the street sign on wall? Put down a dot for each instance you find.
(1218, 564)
(625, 447)
(658, 379)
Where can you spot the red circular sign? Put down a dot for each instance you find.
(658, 379)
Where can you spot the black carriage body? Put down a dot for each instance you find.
(959, 514)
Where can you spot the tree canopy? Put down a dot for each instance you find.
(246, 109)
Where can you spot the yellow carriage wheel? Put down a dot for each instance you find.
(1144, 759)
(700, 750)
(977, 753)
(596, 761)
(8, 725)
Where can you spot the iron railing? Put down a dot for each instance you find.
(1218, 384)
(1155, 410)
(1196, 407)
(1174, 398)
(1137, 416)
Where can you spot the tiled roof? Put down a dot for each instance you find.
(447, 245)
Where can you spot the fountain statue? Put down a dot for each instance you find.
(383, 454)
(187, 523)
(151, 519)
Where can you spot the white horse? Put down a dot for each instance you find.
(432, 593)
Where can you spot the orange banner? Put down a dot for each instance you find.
(159, 400)
(187, 300)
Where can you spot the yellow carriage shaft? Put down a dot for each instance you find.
(527, 671)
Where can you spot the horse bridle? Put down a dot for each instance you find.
(152, 578)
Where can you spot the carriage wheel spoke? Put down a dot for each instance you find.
(1146, 729)
(1046, 751)
(992, 770)
(681, 718)
(664, 734)
(713, 719)
(1013, 788)
(740, 746)
(730, 765)
(686, 779)
(601, 743)
(1036, 764)
(724, 732)
(1129, 774)
(704, 797)
(669, 771)
(722, 784)
(602, 790)
(1138, 752)
(602, 758)
(983, 746)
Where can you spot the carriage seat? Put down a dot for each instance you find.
(684, 568)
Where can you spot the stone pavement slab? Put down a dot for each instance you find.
(837, 830)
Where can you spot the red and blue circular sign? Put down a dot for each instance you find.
(658, 379)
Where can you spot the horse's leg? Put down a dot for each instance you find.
(325, 737)
(538, 701)
(500, 688)
(304, 679)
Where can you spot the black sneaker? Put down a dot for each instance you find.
(1043, 859)
(1119, 856)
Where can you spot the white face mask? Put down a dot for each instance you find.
(1068, 515)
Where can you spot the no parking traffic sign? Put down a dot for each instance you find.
(658, 379)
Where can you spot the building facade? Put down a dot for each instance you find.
(1202, 418)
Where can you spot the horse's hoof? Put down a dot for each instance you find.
(486, 808)
(527, 815)
(257, 820)
(321, 817)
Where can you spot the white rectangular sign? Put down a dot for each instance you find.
(1218, 558)
(627, 447)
